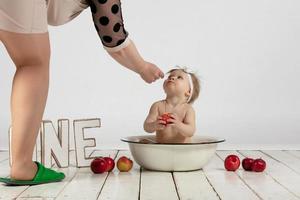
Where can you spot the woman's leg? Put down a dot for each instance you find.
(31, 54)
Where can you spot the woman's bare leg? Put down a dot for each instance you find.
(31, 55)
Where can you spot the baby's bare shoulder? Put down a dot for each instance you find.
(158, 103)
(189, 108)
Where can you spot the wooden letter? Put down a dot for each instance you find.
(55, 144)
(81, 142)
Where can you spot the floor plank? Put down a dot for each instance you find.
(279, 181)
(285, 158)
(51, 190)
(294, 153)
(194, 186)
(285, 176)
(262, 183)
(227, 184)
(122, 185)
(157, 186)
(85, 184)
(35, 198)
(8, 192)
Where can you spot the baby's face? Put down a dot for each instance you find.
(177, 83)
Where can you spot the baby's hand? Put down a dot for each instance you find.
(151, 72)
(174, 120)
(159, 124)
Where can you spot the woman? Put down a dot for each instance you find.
(23, 31)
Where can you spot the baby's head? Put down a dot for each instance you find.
(183, 84)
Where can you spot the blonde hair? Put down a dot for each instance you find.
(195, 80)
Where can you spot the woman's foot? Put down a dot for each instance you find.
(28, 176)
(24, 171)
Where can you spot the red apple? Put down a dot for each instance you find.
(124, 164)
(98, 165)
(232, 163)
(258, 165)
(165, 117)
(247, 163)
(110, 163)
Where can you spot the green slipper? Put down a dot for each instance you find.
(43, 175)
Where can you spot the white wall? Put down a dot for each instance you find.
(245, 52)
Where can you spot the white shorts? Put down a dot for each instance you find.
(33, 16)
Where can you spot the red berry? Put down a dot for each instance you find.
(247, 163)
(258, 165)
(110, 163)
(232, 163)
(98, 165)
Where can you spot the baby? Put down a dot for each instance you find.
(173, 118)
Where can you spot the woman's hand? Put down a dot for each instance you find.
(150, 72)
(130, 58)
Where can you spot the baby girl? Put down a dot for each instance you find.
(173, 118)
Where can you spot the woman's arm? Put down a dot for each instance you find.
(108, 21)
(130, 58)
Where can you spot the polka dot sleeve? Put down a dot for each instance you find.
(108, 21)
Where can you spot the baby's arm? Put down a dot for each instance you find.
(188, 127)
(153, 121)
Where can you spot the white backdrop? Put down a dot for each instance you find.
(245, 52)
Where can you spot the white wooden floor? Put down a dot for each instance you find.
(280, 180)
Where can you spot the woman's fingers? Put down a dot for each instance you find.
(151, 73)
(161, 74)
